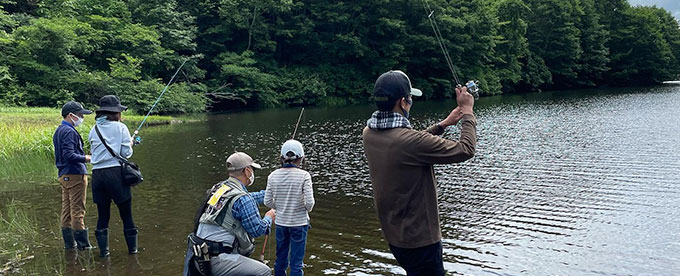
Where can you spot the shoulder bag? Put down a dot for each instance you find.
(132, 176)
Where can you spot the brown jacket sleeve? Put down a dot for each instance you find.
(427, 148)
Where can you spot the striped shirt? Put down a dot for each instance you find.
(289, 191)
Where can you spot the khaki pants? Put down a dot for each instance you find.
(73, 191)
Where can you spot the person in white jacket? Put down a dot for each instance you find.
(289, 192)
(107, 181)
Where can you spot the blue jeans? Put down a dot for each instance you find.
(293, 240)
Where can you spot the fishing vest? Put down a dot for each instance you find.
(218, 212)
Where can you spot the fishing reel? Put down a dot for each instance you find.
(473, 88)
(136, 140)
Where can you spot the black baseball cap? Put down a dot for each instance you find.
(111, 103)
(393, 85)
(73, 107)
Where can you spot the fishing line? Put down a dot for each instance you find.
(472, 86)
(440, 40)
(137, 138)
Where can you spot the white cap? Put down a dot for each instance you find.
(239, 161)
(292, 146)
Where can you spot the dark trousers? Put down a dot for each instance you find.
(124, 209)
(107, 186)
(426, 260)
(290, 249)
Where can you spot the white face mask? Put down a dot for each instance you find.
(252, 177)
(78, 121)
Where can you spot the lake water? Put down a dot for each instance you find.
(563, 183)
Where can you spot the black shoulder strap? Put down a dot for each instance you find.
(96, 128)
(201, 209)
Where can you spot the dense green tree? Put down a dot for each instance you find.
(639, 52)
(670, 30)
(512, 46)
(242, 79)
(553, 35)
(8, 87)
(177, 33)
(470, 35)
(320, 52)
(44, 55)
(594, 37)
(535, 72)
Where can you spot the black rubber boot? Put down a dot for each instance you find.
(131, 240)
(102, 236)
(82, 240)
(69, 241)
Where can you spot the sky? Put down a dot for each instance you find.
(671, 5)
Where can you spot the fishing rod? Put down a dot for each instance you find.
(138, 139)
(297, 124)
(264, 245)
(472, 86)
(266, 237)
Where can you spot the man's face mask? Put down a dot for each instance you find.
(76, 120)
(252, 177)
(410, 103)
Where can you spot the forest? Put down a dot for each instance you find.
(265, 53)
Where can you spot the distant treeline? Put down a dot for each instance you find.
(262, 53)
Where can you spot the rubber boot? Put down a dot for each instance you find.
(102, 236)
(82, 240)
(69, 241)
(131, 240)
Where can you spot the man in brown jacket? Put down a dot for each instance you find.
(400, 161)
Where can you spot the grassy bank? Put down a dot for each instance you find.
(26, 150)
(18, 233)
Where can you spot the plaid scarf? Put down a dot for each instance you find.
(387, 120)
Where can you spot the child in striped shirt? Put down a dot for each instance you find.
(289, 191)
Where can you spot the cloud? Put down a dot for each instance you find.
(671, 5)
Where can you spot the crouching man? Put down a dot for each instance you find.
(227, 223)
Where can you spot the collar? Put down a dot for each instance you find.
(101, 120)
(289, 165)
(387, 120)
(236, 181)
(64, 122)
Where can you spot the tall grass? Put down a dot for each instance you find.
(25, 251)
(18, 232)
(26, 150)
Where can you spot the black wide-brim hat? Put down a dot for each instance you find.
(111, 103)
